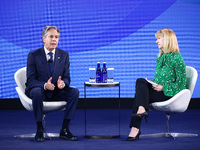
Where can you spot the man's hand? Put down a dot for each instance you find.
(60, 83)
(49, 85)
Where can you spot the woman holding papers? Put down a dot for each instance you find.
(170, 78)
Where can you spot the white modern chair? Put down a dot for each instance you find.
(20, 79)
(177, 104)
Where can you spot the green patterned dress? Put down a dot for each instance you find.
(170, 73)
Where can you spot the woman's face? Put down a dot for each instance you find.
(160, 42)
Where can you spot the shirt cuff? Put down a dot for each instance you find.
(64, 86)
(45, 86)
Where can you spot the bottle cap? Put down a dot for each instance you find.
(110, 69)
(92, 69)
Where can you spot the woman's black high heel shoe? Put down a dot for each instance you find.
(144, 115)
(134, 138)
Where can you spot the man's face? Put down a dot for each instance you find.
(51, 40)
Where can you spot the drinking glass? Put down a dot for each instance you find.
(110, 75)
(92, 75)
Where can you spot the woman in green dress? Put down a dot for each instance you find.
(170, 78)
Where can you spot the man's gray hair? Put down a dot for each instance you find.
(47, 28)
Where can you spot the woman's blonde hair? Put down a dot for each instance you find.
(170, 41)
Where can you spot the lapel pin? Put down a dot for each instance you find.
(58, 57)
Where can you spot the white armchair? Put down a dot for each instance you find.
(20, 79)
(177, 104)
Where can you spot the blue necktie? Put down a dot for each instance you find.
(50, 62)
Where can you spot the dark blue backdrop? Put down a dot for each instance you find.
(119, 32)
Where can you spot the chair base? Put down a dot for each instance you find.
(47, 136)
(169, 135)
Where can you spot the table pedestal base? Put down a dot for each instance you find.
(102, 137)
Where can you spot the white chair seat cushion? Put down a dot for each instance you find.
(176, 104)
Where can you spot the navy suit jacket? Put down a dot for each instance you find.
(38, 72)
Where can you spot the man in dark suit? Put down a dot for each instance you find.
(48, 79)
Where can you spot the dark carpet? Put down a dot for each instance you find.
(99, 122)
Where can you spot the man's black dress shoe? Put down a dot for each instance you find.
(67, 135)
(39, 137)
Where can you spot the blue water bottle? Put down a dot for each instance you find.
(98, 73)
(104, 73)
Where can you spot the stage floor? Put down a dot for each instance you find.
(100, 122)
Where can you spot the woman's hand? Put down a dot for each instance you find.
(157, 87)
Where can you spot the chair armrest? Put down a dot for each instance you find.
(25, 100)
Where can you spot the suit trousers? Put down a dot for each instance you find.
(144, 95)
(38, 95)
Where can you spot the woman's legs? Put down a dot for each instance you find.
(141, 102)
(144, 95)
